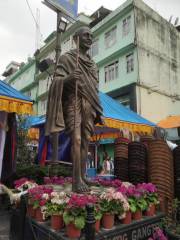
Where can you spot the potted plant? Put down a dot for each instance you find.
(55, 208)
(149, 191)
(97, 216)
(75, 213)
(22, 185)
(112, 202)
(127, 189)
(137, 202)
(39, 196)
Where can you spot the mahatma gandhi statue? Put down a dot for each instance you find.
(73, 104)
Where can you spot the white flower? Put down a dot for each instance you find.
(127, 184)
(54, 194)
(45, 196)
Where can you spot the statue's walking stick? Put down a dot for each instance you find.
(75, 120)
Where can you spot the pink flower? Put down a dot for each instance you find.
(42, 202)
(20, 182)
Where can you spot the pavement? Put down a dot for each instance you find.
(4, 217)
(4, 224)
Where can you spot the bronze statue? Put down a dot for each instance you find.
(73, 104)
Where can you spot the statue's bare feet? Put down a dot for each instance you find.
(80, 187)
(90, 183)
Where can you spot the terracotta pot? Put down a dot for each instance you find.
(31, 211)
(72, 231)
(39, 215)
(128, 218)
(150, 211)
(97, 225)
(56, 222)
(137, 215)
(108, 220)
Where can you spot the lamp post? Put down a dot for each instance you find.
(61, 27)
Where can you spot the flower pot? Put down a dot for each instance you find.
(72, 231)
(128, 218)
(150, 211)
(108, 220)
(39, 215)
(31, 211)
(97, 225)
(56, 222)
(137, 215)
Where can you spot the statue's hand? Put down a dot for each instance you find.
(76, 75)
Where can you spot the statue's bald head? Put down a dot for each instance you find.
(80, 31)
(83, 37)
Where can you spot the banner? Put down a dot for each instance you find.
(68, 7)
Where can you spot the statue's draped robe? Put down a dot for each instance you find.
(61, 98)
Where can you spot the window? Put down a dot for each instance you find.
(111, 71)
(110, 37)
(125, 100)
(28, 93)
(126, 25)
(130, 62)
(67, 44)
(94, 48)
(43, 105)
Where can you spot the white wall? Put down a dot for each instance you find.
(154, 106)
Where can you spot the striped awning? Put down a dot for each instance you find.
(12, 100)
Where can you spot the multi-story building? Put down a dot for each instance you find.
(22, 77)
(138, 56)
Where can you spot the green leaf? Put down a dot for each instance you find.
(67, 218)
(133, 208)
(79, 222)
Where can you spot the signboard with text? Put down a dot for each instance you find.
(68, 7)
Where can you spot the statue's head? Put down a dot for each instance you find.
(85, 37)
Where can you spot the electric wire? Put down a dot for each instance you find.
(32, 13)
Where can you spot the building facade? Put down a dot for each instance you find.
(138, 57)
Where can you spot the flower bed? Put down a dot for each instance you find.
(111, 199)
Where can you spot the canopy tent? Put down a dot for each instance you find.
(12, 100)
(170, 122)
(116, 116)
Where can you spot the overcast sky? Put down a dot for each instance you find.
(18, 28)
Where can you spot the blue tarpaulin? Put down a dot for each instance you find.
(8, 91)
(116, 116)
(12, 100)
(115, 110)
(112, 110)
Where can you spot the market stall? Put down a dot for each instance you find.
(118, 120)
(12, 102)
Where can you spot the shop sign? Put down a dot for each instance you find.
(141, 233)
(68, 7)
